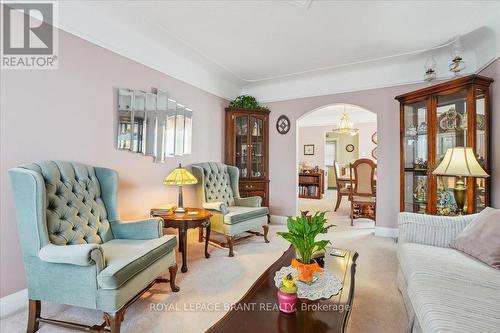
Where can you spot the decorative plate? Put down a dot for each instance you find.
(325, 286)
(283, 124)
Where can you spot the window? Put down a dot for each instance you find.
(330, 152)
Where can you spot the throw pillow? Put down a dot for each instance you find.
(481, 238)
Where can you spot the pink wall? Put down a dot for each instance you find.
(314, 135)
(283, 148)
(68, 114)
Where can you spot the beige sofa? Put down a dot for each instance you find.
(444, 290)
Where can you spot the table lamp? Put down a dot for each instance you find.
(179, 177)
(460, 162)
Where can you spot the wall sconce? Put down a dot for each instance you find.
(430, 69)
(457, 62)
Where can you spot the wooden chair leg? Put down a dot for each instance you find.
(114, 320)
(230, 243)
(172, 270)
(34, 307)
(339, 199)
(266, 230)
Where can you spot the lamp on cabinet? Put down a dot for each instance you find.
(460, 162)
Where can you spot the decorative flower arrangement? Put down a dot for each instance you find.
(247, 102)
(302, 232)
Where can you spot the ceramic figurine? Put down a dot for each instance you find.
(287, 294)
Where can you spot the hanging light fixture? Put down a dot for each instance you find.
(457, 62)
(430, 69)
(345, 125)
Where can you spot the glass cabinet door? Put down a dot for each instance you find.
(242, 144)
(257, 147)
(481, 184)
(451, 131)
(415, 157)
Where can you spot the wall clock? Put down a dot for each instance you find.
(349, 148)
(283, 124)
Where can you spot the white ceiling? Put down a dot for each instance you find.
(330, 116)
(268, 48)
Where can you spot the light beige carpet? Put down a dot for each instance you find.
(212, 284)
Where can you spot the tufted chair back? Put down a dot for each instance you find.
(218, 182)
(74, 210)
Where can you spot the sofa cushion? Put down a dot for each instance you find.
(125, 258)
(237, 214)
(481, 238)
(417, 259)
(444, 304)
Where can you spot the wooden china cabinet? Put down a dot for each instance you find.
(247, 147)
(455, 113)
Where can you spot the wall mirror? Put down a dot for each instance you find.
(152, 124)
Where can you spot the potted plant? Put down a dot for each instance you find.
(247, 102)
(302, 232)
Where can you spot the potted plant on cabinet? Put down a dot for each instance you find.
(302, 232)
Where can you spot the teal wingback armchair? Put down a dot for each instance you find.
(218, 192)
(76, 249)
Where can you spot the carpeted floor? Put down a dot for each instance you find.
(212, 284)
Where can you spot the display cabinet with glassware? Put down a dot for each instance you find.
(451, 114)
(247, 147)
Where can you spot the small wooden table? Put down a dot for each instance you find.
(185, 221)
(257, 310)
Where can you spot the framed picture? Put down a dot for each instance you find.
(308, 149)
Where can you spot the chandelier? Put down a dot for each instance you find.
(345, 125)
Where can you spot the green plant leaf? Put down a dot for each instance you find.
(302, 232)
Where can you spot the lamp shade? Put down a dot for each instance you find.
(180, 176)
(460, 161)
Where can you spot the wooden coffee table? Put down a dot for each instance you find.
(257, 311)
(185, 221)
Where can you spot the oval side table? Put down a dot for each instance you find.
(185, 221)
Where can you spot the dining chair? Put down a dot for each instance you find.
(363, 191)
(342, 188)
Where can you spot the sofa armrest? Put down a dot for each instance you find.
(218, 206)
(150, 228)
(248, 201)
(79, 254)
(430, 229)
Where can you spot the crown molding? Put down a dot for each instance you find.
(170, 58)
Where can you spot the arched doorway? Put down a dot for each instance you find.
(318, 146)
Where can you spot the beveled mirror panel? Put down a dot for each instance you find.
(152, 124)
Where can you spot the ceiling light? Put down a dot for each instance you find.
(457, 62)
(345, 125)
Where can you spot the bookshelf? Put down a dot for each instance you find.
(311, 185)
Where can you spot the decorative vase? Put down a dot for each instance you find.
(306, 271)
(287, 302)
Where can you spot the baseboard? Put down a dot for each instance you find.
(13, 302)
(386, 232)
(278, 219)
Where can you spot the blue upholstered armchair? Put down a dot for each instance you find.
(76, 250)
(218, 192)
